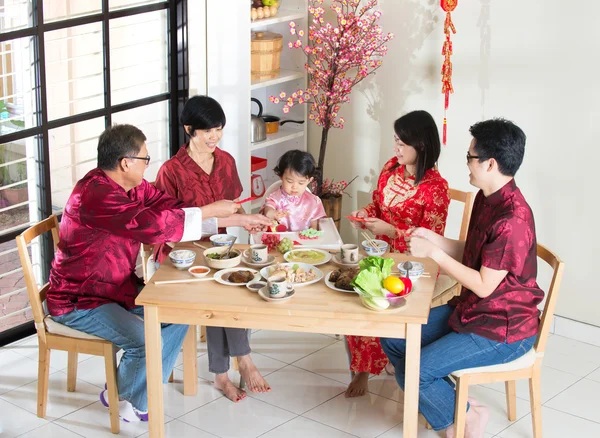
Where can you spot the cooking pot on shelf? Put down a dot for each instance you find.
(273, 122)
(258, 128)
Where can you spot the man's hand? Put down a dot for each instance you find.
(254, 223)
(420, 247)
(220, 209)
(379, 227)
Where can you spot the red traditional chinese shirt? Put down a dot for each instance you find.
(501, 237)
(183, 179)
(400, 203)
(100, 234)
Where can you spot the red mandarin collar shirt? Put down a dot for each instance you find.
(100, 234)
(404, 205)
(501, 237)
(183, 179)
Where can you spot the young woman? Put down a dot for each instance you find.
(410, 193)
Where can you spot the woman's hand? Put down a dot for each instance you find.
(220, 209)
(360, 213)
(379, 227)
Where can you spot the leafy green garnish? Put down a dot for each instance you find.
(373, 270)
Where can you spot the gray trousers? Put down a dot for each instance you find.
(225, 342)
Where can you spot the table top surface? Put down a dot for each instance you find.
(314, 300)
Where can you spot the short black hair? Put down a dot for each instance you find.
(418, 129)
(298, 161)
(501, 140)
(117, 142)
(202, 112)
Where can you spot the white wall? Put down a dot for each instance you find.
(529, 61)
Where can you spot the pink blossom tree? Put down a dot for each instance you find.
(339, 56)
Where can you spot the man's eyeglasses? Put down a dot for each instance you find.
(470, 157)
(146, 159)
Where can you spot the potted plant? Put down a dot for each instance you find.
(10, 174)
(339, 55)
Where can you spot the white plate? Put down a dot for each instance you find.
(247, 261)
(331, 285)
(266, 272)
(219, 276)
(290, 254)
(336, 259)
(264, 294)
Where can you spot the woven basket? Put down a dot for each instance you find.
(265, 54)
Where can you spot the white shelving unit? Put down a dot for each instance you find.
(228, 36)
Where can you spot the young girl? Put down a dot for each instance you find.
(292, 205)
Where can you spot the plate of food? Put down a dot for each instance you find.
(340, 279)
(236, 276)
(298, 274)
(313, 257)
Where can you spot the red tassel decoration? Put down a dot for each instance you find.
(448, 6)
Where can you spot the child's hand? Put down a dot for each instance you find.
(281, 214)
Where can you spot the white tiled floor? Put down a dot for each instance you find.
(308, 375)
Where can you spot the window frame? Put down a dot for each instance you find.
(177, 93)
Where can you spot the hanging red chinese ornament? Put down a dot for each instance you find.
(448, 6)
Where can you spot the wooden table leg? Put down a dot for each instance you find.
(411, 382)
(156, 412)
(190, 364)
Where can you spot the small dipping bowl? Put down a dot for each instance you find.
(255, 286)
(199, 271)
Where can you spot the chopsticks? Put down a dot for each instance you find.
(187, 280)
(370, 241)
(199, 246)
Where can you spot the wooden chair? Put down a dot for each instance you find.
(528, 366)
(446, 287)
(55, 336)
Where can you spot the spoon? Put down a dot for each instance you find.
(226, 255)
(408, 266)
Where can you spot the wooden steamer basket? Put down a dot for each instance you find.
(265, 54)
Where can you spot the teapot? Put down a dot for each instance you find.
(258, 127)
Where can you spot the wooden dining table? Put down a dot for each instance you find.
(314, 308)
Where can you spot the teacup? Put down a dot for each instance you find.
(278, 286)
(257, 253)
(349, 253)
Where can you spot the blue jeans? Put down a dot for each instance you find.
(442, 352)
(125, 329)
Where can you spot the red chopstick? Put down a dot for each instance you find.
(251, 198)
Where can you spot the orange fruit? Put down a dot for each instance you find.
(394, 285)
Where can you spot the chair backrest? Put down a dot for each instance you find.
(36, 295)
(546, 320)
(467, 198)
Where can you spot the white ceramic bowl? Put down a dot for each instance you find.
(415, 272)
(221, 239)
(255, 285)
(382, 247)
(201, 271)
(182, 258)
(222, 264)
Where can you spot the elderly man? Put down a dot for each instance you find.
(93, 284)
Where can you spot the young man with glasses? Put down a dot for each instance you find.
(93, 284)
(495, 319)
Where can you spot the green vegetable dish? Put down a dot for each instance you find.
(373, 270)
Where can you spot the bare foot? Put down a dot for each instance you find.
(474, 401)
(484, 417)
(251, 375)
(475, 422)
(232, 392)
(389, 369)
(359, 385)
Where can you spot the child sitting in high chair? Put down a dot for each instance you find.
(292, 204)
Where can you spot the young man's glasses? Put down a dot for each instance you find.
(146, 159)
(471, 157)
